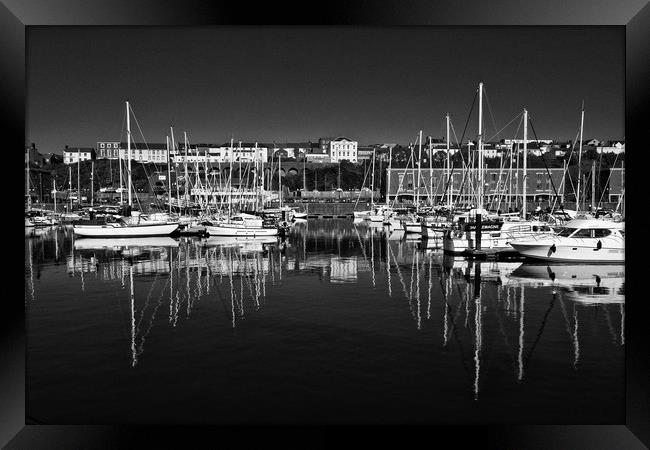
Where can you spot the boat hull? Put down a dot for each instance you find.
(108, 230)
(413, 227)
(578, 253)
(224, 230)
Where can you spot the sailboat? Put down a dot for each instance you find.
(497, 235)
(132, 226)
(36, 217)
(413, 224)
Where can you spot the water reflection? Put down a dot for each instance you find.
(480, 306)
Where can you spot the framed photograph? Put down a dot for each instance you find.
(380, 218)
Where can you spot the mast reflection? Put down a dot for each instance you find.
(493, 308)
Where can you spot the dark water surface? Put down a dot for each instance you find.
(341, 323)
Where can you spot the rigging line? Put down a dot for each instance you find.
(507, 125)
(509, 155)
(608, 178)
(490, 109)
(460, 150)
(570, 156)
(545, 165)
(158, 203)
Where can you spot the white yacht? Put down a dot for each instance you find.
(495, 236)
(242, 225)
(591, 240)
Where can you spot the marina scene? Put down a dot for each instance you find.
(473, 273)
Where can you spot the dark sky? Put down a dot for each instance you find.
(281, 84)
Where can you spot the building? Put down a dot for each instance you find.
(521, 141)
(146, 153)
(324, 144)
(616, 184)
(318, 158)
(293, 149)
(140, 152)
(107, 150)
(433, 182)
(365, 152)
(224, 153)
(72, 155)
(616, 147)
(343, 149)
(35, 157)
(319, 152)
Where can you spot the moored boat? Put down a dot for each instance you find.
(242, 225)
(589, 240)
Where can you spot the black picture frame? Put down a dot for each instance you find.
(16, 431)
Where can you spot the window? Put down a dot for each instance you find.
(584, 233)
(566, 232)
(600, 233)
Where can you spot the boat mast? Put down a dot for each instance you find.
(450, 186)
(593, 186)
(480, 148)
(169, 177)
(54, 192)
(372, 181)
(390, 164)
(582, 121)
(78, 176)
(480, 167)
(431, 171)
(70, 186)
(525, 162)
(128, 152)
(92, 183)
(186, 176)
(178, 196)
(262, 188)
(29, 196)
(417, 192)
(304, 173)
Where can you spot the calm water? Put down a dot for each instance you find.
(341, 323)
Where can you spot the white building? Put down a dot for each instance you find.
(216, 154)
(76, 154)
(107, 150)
(140, 152)
(616, 147)
(343, 148)
(521, 141)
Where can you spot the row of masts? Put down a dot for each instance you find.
(480, 184)
(449, 188)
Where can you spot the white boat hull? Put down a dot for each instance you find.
(225, 230)
(395, 224)
(583, 253)
(115, 230)
(412, 227)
